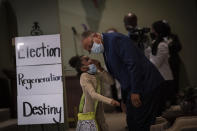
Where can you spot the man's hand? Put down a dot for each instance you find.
(115, 103)
(135, 99)
(123, 107)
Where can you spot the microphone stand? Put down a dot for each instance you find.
(74, 39)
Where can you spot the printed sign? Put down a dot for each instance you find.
(39, 109)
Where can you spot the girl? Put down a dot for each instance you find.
(91, 113)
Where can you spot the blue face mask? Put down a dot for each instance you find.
(92, 69)
(97, 48)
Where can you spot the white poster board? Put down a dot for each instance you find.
(38, 50)
(40, 109)
(39, 80)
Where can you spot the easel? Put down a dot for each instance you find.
(57, 123)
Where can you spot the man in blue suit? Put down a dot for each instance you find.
(140, 80)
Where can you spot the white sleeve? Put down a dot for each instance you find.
(162, 53)
(88, 86)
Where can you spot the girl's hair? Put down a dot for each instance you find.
(75, 62)
(163, 29)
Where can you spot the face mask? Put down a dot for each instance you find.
(97, 48)
(92, 69)
(152, 36)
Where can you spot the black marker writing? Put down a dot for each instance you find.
(29, 110)
(42, 51)
(27, 82)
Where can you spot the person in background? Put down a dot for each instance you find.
(91, 72)
(111, 30)
(141, 82)
(175, 47)
(137, 35)
(160, 55)
(174, 59)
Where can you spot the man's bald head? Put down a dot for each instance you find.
(130, 20)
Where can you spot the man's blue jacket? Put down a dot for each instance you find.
(129, 66)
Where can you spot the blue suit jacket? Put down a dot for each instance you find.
(129, 66)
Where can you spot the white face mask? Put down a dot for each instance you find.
(97, 48)
(92, 69)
